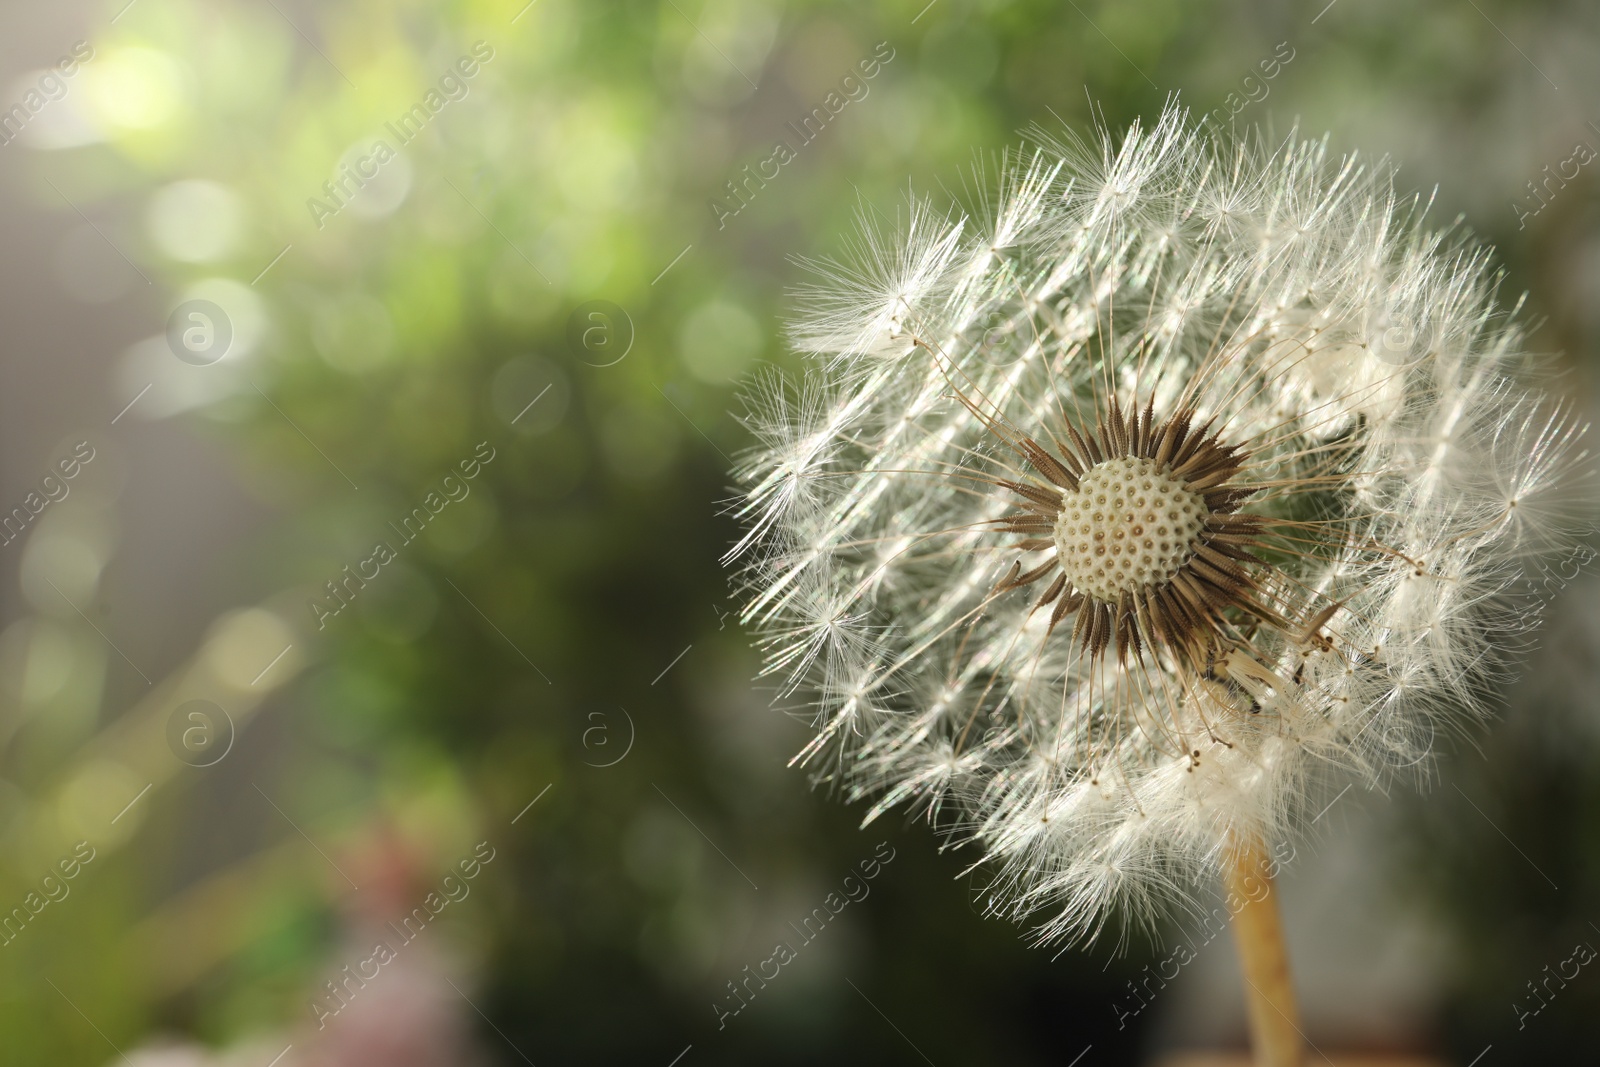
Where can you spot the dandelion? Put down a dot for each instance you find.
(1109, 524)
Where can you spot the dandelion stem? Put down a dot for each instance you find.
(1263, 956)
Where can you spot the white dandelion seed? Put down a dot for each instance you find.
(1197, 471)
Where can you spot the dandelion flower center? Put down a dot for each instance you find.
(1130, 524)
(1146, 542)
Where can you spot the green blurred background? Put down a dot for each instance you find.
(550, 272)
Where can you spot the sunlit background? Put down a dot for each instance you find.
(370, 386)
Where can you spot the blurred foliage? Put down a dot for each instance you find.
(572, 603)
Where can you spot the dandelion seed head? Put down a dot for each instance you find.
(1179, 476)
